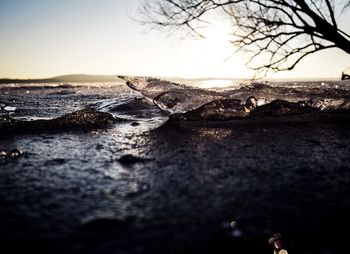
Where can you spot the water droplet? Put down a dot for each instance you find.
(15, 153)
(278, 244)
(251, 102)
(3, 154)
(233, 224)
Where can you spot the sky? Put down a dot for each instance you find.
(46, 38)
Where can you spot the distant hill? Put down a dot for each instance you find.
(66, 79)
(76, 78)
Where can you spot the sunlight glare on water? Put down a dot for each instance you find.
(216, 83)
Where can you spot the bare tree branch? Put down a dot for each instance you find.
(277, 33)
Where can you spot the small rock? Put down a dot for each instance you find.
(135, 124)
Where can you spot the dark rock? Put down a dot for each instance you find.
(79, 120)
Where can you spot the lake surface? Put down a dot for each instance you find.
(149, 185)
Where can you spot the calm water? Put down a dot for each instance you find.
(82, 191)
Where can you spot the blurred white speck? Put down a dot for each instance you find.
(10, 109)
(233, 224)
(277, 244)
(272, 241)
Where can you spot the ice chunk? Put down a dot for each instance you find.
(169, 96)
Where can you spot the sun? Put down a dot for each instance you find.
(217, 43)
(218, 57)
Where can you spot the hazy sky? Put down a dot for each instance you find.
(44, 38)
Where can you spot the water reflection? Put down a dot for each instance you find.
(217, 83)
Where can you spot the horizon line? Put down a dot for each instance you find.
(172, 77)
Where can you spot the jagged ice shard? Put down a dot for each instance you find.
(171, 97)
(247, 100)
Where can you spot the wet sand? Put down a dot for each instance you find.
(70, 192)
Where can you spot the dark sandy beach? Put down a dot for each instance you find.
(134, 188)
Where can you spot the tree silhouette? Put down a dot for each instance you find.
(278, 34)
